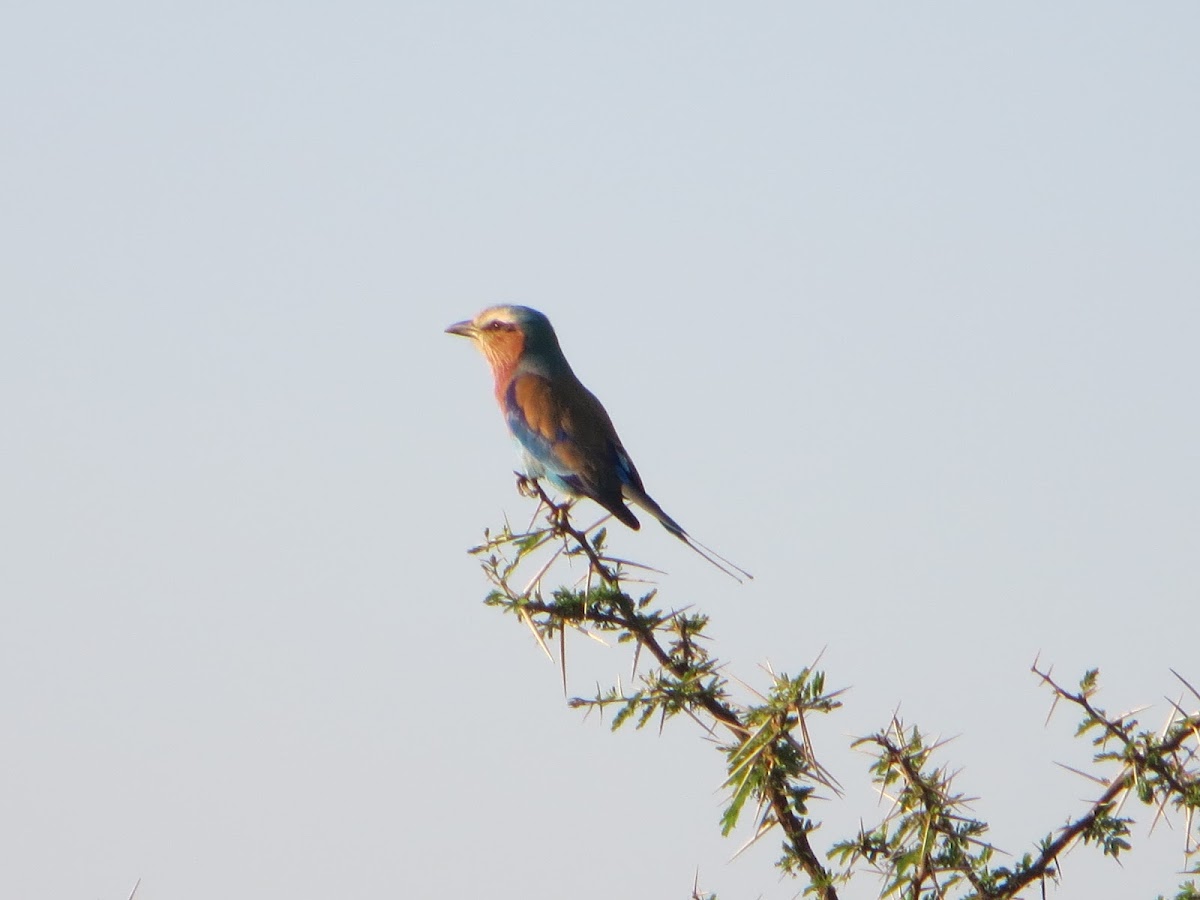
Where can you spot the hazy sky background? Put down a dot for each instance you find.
(896, 305)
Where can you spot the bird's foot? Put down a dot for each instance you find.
(559, 512)
(527, 487)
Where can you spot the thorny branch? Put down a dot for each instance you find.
(770, 759)
(927, 844)
(1156, 766)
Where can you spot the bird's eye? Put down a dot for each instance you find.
(498, 326)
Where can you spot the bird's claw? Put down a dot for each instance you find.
(529, 487)
(526, 486)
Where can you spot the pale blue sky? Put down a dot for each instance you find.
(897, 305)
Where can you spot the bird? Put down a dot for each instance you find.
(564, 433)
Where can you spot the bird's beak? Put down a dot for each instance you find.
(466, 329)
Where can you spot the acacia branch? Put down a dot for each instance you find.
(775, 785)
(933, 847)
(1043, 864)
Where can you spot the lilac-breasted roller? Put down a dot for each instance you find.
(564, 433)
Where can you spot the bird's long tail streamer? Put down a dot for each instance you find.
(713, 557)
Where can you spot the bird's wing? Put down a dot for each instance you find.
(562, 426)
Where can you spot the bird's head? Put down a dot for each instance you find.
(508, 334)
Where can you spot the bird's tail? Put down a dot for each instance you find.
(646, 502)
